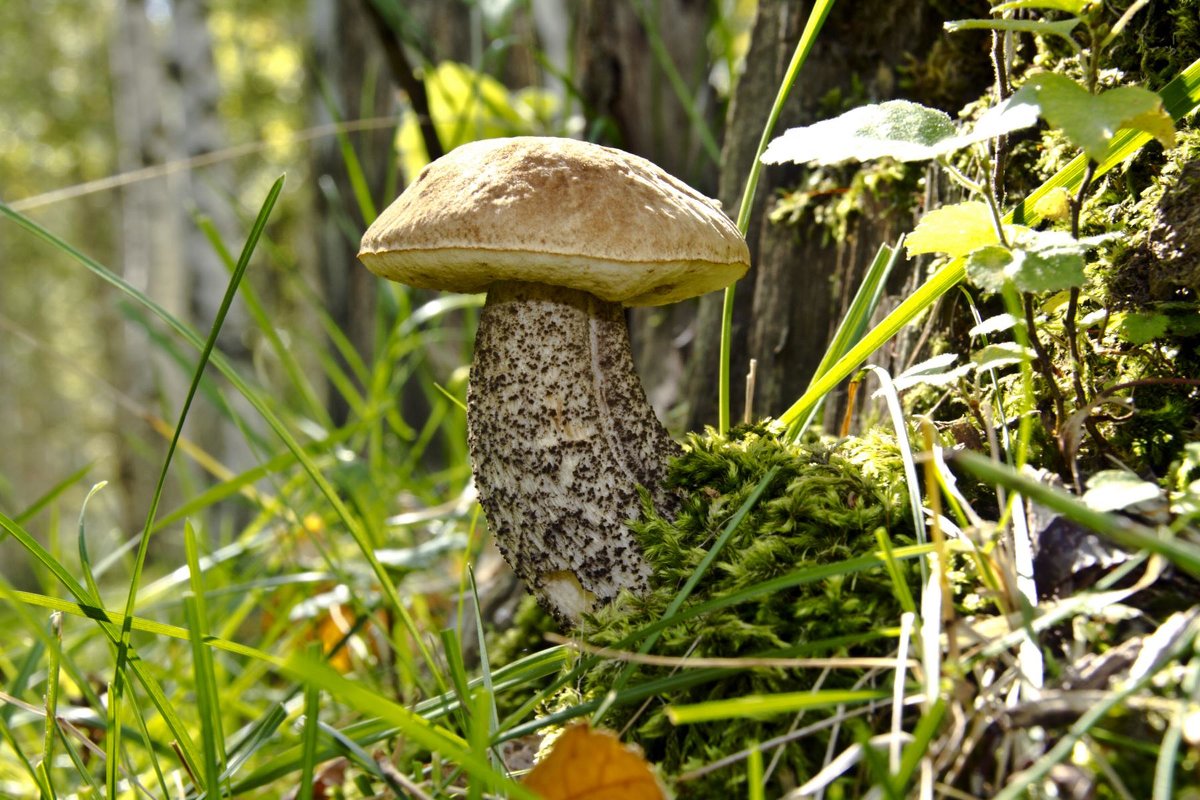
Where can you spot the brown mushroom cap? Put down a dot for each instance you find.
(559, 212)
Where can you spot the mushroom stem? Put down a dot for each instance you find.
(561, 438)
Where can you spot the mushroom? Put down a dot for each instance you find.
(561, 234)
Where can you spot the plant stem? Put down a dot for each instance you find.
(1003, 91)
(808, 36)
(1044, 365)
(1073, 301)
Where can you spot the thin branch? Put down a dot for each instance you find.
(1044, 364)
(406, 78)
(1003, 91)
(863, 662)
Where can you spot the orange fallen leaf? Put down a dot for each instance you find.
(586, 764)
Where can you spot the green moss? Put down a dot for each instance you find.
(1160, 42)
(824, 506)
(832, 198)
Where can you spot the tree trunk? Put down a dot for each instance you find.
(347, 54)
(632, 105)
(195, 84)
(801, 282)
(150, 229)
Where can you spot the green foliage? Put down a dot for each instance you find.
(467, 105)
(824, 506)
(954, 230)
(1039, 261)
(1091, 120)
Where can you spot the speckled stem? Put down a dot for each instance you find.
(561, 437)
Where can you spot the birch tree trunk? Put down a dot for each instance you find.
(150, 229)
(194, 82)
(347, 55)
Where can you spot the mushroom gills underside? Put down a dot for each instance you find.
(561, 438)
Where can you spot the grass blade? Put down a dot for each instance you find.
(207, 698)
(808, 37)
(205, 354)
(757, 706)
(308, 753)
(340, 509)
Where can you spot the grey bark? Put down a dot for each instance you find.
(150, 228)
(800, 284)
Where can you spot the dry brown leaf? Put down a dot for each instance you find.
(586, 764)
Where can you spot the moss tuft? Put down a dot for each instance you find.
(824, 506)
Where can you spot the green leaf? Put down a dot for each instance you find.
(1003, 118)
(953, 230)
(1039, 27)
(1114, 489)
(1142, 328)
(1090, 121)
(989, 267)
(903, 130)
(897, 129)
(936, 371)
(998, 356)
(1072, 7)
(1000, 322)
(1046, 261)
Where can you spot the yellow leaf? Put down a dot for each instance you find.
(593, 765)
(1156, 122)
(1054, 205)
(956, 230)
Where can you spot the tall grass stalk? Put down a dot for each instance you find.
(816, 19)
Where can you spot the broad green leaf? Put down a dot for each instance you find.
(1039, 27)
(1003, 354)
(953, 230)
(1039, 261)
(1141, 328)
(1090, 121)
(990, 266)
(1029, 270)
(1073, 7)
(897, 129)
(1049, 270)
(1114, 489)
(1005, 117)
(900, 129)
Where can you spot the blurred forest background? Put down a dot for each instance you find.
(147, 132)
